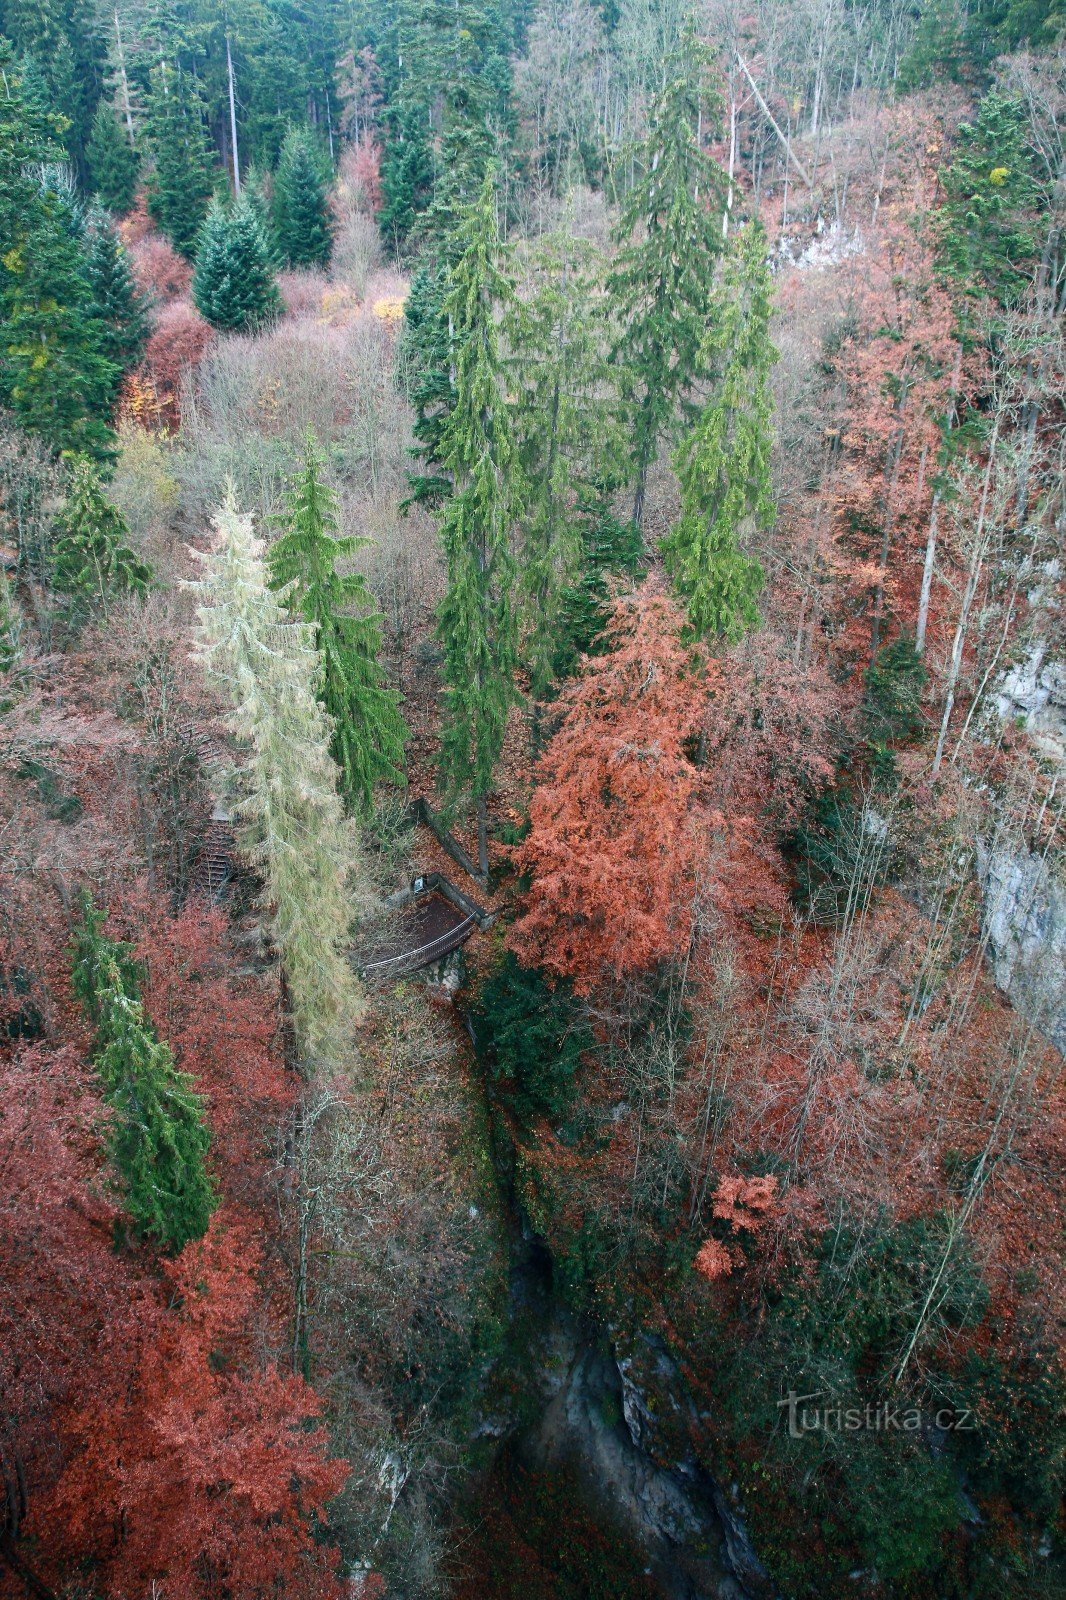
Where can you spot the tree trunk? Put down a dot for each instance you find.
(482, 838)
(233, 120)
(927, 576)
(128, 110)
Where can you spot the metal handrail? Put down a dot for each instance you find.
(443, 939)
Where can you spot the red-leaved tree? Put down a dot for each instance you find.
(613, 846)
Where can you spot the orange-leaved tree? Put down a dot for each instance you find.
(614, 841)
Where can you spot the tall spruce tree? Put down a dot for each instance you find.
(54, 374)
(112, 161)
(157, 1138)
(668, 234)
(117, 302)
(92, 559)
(566, 437)
(180, 184)
(724, 463)
(233, 284)
(301, 203)
(991, 218)
(476, 620)
(289, 815)
(368, 730)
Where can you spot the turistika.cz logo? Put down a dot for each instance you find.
(883, 1417)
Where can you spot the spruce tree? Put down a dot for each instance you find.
(157, 1139)
(93, 562)
(233, 284)
(668, 235)
(990, 219)
(180, 185)
(116, 300)
(368, 730)
(289, 815)
(54, 375)
(724, 463)
(301, 203)
(476, 621)
(565, 434)
(112, 161)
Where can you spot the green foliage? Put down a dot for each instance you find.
(406, 180)
(449, 106)
(112, 161)
(426, 352)
(904, 1505)
(835, 1336)
(62, 50)
(841, 856)
(54, 374)
(1019, 1399)
(668, 235)
(724, 463)
(564, 433)
(234, 285)
(611, 551)
(990, 217)
(158, 1139)
(892, 704)
(289, 815)
(368, 729)
(116, 300)
(476, 621)
(93, 561)
(301, 203)
(533, 1038)
(180, 184)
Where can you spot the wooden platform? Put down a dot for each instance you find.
(432, 919)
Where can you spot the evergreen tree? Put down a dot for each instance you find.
(289, 814)
(112, 161)
(180, 185)
(301, 203)
(158, 1138)
(54, 374)
(65, 44)
(668, 234)
(368, 730)
(990, 218)
(724, 463)
(117, 302)
(233, 284)
(476, 620)
(565, 434)
(92, 558)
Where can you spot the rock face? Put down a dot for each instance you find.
(1025, 921)
(602, 1415)
(1034, 692)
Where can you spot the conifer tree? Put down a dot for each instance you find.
(990, 221)
(54, 375)
(724, 463)
(368, 730)
(476, 621)
(668, 234)
(112, 161)
(158, 1138)
(289, 814)
(116, 300)
(93, 561)
(179, 188)
(233, 284)
(565, 435)
(301, 203)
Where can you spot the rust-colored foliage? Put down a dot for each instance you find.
(613, 847)
(179, 342)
